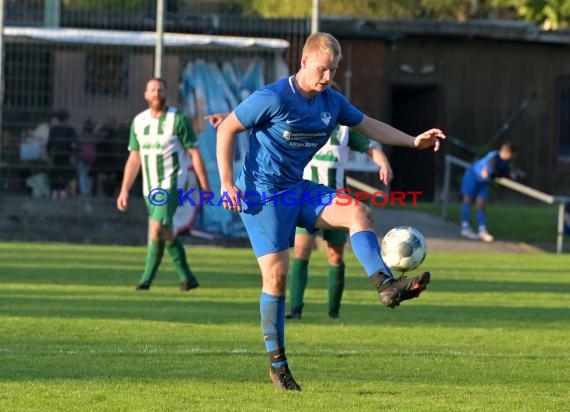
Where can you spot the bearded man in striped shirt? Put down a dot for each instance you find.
(162, 142)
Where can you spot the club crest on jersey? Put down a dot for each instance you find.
(326, 118)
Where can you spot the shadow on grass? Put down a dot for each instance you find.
(170, 363)
(200, 311)
(480, 286)
(215, 279)
(467, 286)
(129, 278)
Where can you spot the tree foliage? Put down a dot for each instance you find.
(548, 14)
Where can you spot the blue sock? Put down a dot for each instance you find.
(367, 250)
(281, 323)
(465, 212)
(272, 309)
(481, 218)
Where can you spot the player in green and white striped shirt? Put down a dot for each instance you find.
(328, 168)
(162, 142)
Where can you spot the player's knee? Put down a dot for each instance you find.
(277, 283)
(335, 260)
(302, 253)
(155, 234)
(362, 216)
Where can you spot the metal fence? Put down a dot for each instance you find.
(93, 65)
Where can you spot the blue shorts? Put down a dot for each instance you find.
(270, 219)
(474, 187)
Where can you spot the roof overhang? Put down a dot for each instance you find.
(141, 39)
(393, 30)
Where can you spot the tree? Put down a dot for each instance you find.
(549, 14)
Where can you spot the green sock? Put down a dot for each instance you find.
(153, 258)
(178, 256)
(335, 286)
(298, 283)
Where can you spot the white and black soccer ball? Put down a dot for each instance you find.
(403, 248)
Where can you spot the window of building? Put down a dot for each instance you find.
(107, 74)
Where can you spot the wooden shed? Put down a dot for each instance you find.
(483, 82)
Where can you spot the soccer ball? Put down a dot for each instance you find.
(403, 248)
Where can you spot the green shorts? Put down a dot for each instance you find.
(332, 236)
(163, 213)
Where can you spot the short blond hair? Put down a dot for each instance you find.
(324, 43)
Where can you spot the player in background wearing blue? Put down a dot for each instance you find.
(328, 167)
(288, 122)
(475, 189)
(162, 141)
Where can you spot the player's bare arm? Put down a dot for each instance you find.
(485, 172)
(385, 170)
(199, 167)
(226, 137)
(384, 133)
(132, 168)
(490, 168)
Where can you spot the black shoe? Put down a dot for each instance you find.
(189, 285)
(333, 314)
(282, 379)
(392, 292)
(294, 314)
(143, 286)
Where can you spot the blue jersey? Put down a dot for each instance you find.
(496, 167)
(286, 130)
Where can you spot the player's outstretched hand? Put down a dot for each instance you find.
(216, 119)
(431, 138)
(386, 174)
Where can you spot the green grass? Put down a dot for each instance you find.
(491, 333)
(535, 224)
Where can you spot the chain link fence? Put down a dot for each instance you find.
(74, 78)
(86, 69)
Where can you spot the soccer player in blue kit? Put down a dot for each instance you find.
(475, 188)
(288, 121)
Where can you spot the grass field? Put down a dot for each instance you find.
(504, 220)
(492, 333)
